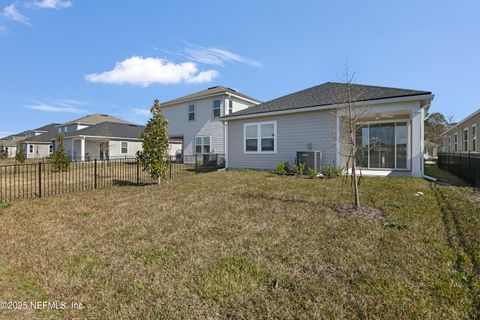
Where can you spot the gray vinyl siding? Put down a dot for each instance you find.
(294, 133)
(475, 121)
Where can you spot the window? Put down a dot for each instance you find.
(65, 129)
(260, 137)
(455, 142)
(59, 130)
(50, 149)
(465, 139)
(230, 106)
(382, 145)
(474, 138)
(30, 148)
(124, 147)
(191, 112)
(216, 108)
(202, 144)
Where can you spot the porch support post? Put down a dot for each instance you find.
(417, 142)
(72, 155)
(226, 144)
(82, 149)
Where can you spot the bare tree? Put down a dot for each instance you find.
(351, 114)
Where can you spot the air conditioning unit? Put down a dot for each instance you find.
(311, 159)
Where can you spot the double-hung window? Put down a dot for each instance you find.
(30, 148)
(50, 149)
(202, 145)
(230, 106)
(124, 147)
(455, 142)
(465, 139)
(474, 138)
(191, 112)
(260, 137)
(216, 108)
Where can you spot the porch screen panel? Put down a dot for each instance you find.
(382, 145)
(401, 138)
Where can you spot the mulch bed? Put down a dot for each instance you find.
(364, 211)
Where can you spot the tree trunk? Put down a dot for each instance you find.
(159, 181)
(356, 194)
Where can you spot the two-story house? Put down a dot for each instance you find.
(462, 137)
(194, 123)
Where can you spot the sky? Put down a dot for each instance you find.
(62, 59)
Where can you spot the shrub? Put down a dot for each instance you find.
(299, 168)
(3, 152)
(282, 168)
(332, 171)
(20, 156)
(59, 160)
(312, 173)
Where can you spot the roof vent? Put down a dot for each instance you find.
(104, 115)
(212, 87)
(232, 89)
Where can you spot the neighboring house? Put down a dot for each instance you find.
(431, 151)
(99, 142)
(10, 144)
(194, 123)
(103, 141)
(463, 137)
(391, 138)
(38, 143)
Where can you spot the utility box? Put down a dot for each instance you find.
(311, 159)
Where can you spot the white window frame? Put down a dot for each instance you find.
(474, 138)
(65, 129)
(50, 149)
(465, 140)
(230, 106)
(202, 145)
(31, 149)
(455, 142)
(219, 108)
(194, 112)
(121, 147)
(259, 137)
(59, 130)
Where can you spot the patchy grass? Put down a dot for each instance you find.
(5, 205)
(434, 171)
(246, 245)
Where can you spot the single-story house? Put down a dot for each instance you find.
(431, 150)
(390, 136)
(10, 144)
(100, 142)
(462, 137)
(104, 141)
(38, 143)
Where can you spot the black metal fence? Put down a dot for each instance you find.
(42, 179)
(463, 165)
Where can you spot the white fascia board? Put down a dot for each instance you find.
(427, 97)
(206, 97)
(462, 122)
(101, 137)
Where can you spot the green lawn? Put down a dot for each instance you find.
(246, 245)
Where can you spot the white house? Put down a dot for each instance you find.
(390, 137)
(194, 123)
(38, 143)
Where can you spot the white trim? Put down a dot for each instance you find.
(121, 147)
(202, 145)
(219, 108)
(102, 137)
(259, 137)
(224, 93)
(194, 112)
(474, 137)
(475, 113)
(337, 158)
(333, 106)
(225, 126)
(465, 141)
(455, 142)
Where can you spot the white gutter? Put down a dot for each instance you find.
(101, 137)
(333, 106)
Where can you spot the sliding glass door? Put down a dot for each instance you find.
(382, 145)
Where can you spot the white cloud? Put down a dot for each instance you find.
(12, 12)
(145, 71)
(51, 4)
(141, 112)
(56, 107)
(217, 57)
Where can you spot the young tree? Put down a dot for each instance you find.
(3, 152)
(351, 114)
(60, 159)
(20, 155)
(153, 158)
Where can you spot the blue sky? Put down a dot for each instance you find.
(61, 59)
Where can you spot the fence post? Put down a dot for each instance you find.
(40, 179)
(95, 173)
(138, 172)
(196, 165)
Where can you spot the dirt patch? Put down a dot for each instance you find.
(364, 211)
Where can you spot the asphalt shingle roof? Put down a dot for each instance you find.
(209, 91)
(96, 118)
(49, 134)
(326, 94)
(110, 129)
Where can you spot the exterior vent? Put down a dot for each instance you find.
(311, 159)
